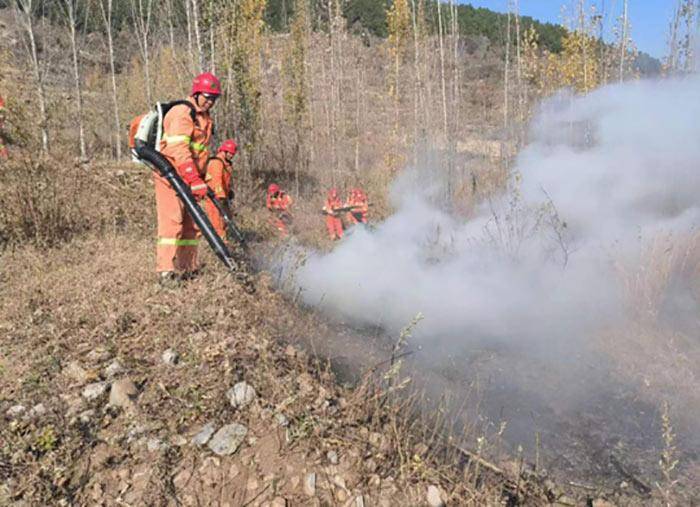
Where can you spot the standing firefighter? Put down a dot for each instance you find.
(358, 206)
(187, 129)
(218, 177)
(279, 202)
(331, 209)
(3, 149)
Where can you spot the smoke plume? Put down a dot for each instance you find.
(533, 267)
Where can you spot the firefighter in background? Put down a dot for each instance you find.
(218, 177)
(279, 202)
(3, 149)
(187, 130)
(331, 209)
(358, 207)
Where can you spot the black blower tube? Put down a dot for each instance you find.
(161, 164)
(230, 224)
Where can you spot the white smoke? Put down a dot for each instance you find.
(532, 269)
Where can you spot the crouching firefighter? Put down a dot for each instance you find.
(218, 178)
(187, 130)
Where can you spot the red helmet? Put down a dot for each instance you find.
(273, 189)
(229, 146)
(206, 83)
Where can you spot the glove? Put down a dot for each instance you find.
(190, 175)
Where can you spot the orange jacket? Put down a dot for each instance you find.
(218, 176)
(184, 140)
(280, 203)
(358, 201)
(331, 205)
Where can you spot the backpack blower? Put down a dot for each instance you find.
(144, 139)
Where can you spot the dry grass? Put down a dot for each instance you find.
(94, 299)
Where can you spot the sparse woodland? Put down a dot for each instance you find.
(315, 94)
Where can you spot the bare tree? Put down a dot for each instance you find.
(107, 19)
(24, 14)
(197, 35)
(623, 40)
(69, 10)
(442, 70)
(141, 13)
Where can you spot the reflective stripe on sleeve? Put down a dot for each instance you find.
(197, 146)
(178, 242)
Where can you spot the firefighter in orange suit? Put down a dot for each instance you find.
(333, 222)
(279, 202)
(3, 149)
(184, 144)
(357, 201)
(218, 178)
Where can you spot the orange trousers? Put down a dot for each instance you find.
(278, 223)
(215, 218)
(176, 249)
(334, 226)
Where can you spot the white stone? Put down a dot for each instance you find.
(170, 357)
(122, 394)
(310, 484)
(114, 369)
(332, 457)
(227, 440)
(204, 434)
(241, 394)
(94, 390)
(15, 410)
(434, 497)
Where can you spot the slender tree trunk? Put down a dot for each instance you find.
(171, 40)
(212, 37)
(190, 47)
(107, 18)
(506, 75)
(197, 35)
(70, 17)
(141, 15)
(623, 42)
(24, 12)
(442, 71)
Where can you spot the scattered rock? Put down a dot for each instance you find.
(332, 457)
(281, 420)
(114, 369)
(155, 445)
(37, 410)
(310, 484)
(123, 393)
(227, 440)
(434, 497)
(15, 411)
(86, 416)
(252, 484)
(94, 390)
(179, 441)
(241, 394)
(76, 373)
(278, 501)
(97, 355)
(170, 357)
(359, 501)
(204, 434)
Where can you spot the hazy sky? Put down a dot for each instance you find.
(649, 18)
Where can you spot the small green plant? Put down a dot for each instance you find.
(669, 460)
(47, 440)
